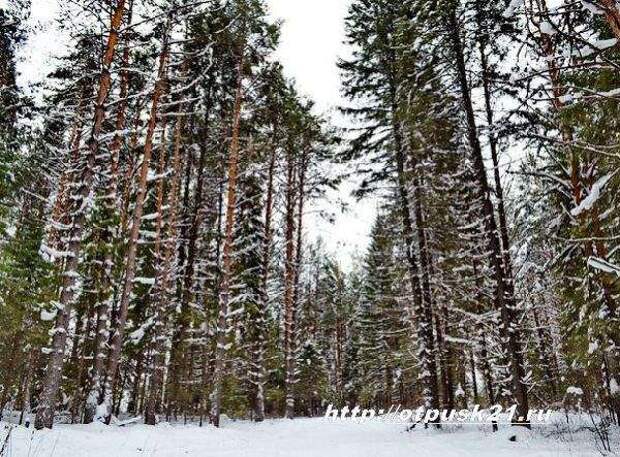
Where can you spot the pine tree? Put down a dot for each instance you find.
(81, 184)
(383, 140)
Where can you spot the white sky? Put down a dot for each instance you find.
(312, 35)
(312, 41)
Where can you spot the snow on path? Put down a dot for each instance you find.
(275, 438)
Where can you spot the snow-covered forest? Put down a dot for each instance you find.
(158, 266)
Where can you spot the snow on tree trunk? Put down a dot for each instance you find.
(118, 329)
(264, 293)
(505, 303)
(109, 187)
(158, 352)
(83, 185)
(289, 286)
(231, 205)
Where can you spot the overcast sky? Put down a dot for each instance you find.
(312, 41)
(312, 35)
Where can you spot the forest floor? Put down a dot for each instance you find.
(298, 438)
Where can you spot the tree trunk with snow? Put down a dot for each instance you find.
(109, 187)
(83, 183)
(504, 300)
(428, 318)
(157, 354)
(259, 356)
(289, 285)
(589, 221)
(118, 330)
(231, 206)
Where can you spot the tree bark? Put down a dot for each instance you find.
(132, 251)
(264, 299)
(158, 325)
(427, 298)
(504, 301)
(591, 227)
(612, 15)
(165, 287)
(231, 206)
(110, 188)
(289, 286)
(425, 324)
(69, 292)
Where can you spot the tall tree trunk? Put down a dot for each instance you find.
(182, 321)
(505, 302)
(110, 188)
(420, 308)
(482, 342)
(493, 146)
(221, 350)
(158, 321)
(134, 235)
(291, 367)
(259, 360)
(289, 285)
(543, 344)
(24, 417)
(427, 297)
(474, 377)
(69, 291)
(81, 351)
(165, 283)
(187, 253)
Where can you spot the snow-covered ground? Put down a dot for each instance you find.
(298, 438)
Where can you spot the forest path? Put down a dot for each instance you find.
(275, 438)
